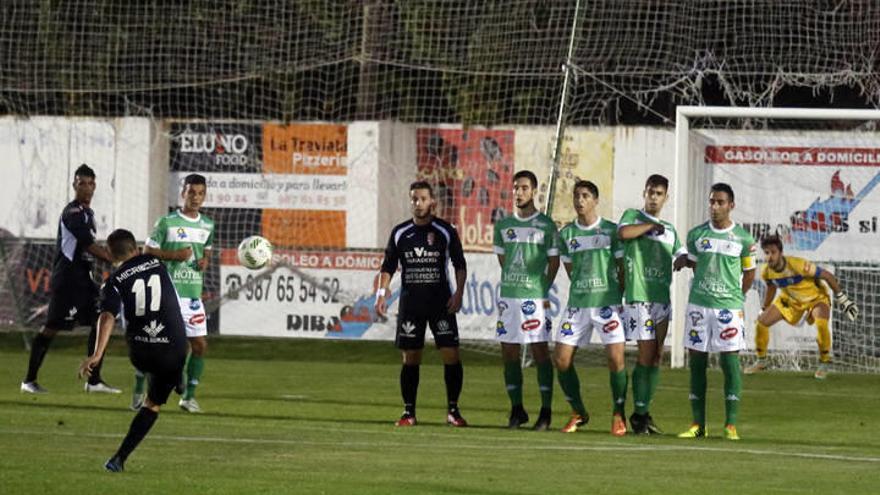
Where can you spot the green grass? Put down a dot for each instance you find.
(316, 417)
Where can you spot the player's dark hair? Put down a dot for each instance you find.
(771, 240)
(420, 184)
(722, 187)
(589, 186)
(194, 179)
(121, 242)
(657, 180)
(528, 174)
(84, 171)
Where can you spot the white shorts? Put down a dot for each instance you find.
(194, 318)
(578, 325)
(641, 319)
(522, 321)
(714, 330)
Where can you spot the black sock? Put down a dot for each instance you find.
(409, 387)
(140, 425)
(39, 347)
(454, 376)
(95, 377)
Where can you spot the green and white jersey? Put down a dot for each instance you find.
(721, 257)
(176, 231)
(593, 252)
(526, 244)
(648, 259)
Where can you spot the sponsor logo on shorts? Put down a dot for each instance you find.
(530, 325)
(610, 326)
(649, 325)
(407, 329)
(572, 312)
(632, 324)
(694, 337)
(197, 319)
(725, 316)
(502, 307)
(195, 304)
(696, 317)
(566, 329)
(605, 312)
(499, 328)
(71, 314)
(442, 327)
(548, 325)
(529, 307)
(728, 333)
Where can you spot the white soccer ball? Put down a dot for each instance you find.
(254, 252)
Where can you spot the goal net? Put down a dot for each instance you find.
(810, 177)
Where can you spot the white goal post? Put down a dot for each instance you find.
(691, 186)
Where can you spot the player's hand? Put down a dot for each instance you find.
(848, 307)
(202, 264)
(454, 303)
(658, 229)
(381, 306)
(88, 364)
(184, 254)
(680, 262)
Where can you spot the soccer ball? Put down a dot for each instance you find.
(254, 252)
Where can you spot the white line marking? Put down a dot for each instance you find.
(457, 445)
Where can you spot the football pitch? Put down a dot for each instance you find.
(306, 416)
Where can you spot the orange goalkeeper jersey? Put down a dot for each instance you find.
(798, 280)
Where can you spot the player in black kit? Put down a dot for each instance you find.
(423, 247)
(74, 296)
(142, 291)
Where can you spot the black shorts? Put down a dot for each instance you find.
(71, 305)
(412, 320)
(164, 371)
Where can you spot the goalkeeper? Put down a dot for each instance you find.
(802, 297)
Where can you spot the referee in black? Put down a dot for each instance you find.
(74, 294)
(423, 247)
(142, 291)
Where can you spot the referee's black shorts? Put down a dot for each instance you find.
(73, 304)
(163, 368)
(415, 314)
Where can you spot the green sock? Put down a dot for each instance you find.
(513, 379)
(194, 367)
(732, 386)
(618, 390)
(545, 383)
(653, 376)
(571, 387)
(640, 389)
(698, 363)
(139, 382)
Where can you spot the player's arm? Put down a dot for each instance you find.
(552, 256)
(685, 257)
(110, 305)
(456, 254)
(769, 295)
(389, 266)
(843, 301)
(168, 254)
(633, 231)
(206, 255)
(498, 246)
(100, 252)
(749, 265)
(157, 238)
(74, 221)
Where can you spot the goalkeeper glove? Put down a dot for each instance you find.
(848, 307)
